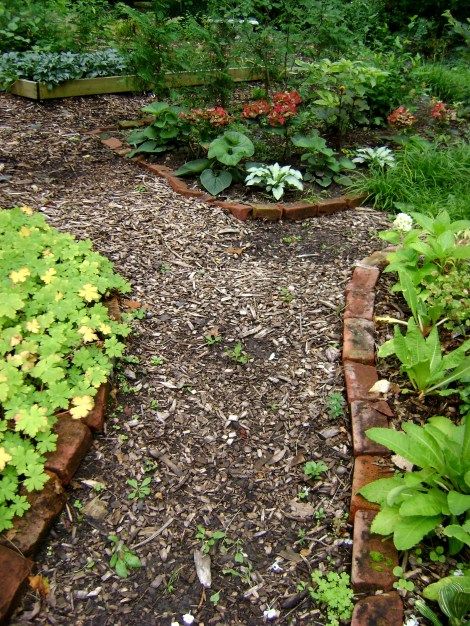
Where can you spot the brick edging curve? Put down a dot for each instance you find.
(19, 544)
(273, 211)
(380, 604)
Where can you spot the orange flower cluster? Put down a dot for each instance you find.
(284, 106)
(401, 116)
(216, 116)
(442, 113)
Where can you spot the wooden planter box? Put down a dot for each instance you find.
(120, 84)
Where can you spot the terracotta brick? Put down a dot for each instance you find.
(332, 205)
(238, 210)
(14, 571)
(385, 609)
(267, 212)
(363, 279)
(95, 418)
(178, 185)
(368, 575)
(355, 201)
(113, 143)
(299, 210)
(367, 468)
(377, 259)
(363, 417)
(358, 341)
(72, 444)
(159, 170)
(360, 304)
(29, 530)
(359, 379)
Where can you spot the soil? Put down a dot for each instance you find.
(224, 443)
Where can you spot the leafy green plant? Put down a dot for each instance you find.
(238, 354)
(375, 157)
(57, 343)
(139, 490)
(228, 150)
(122, 558)
(402, 584)
(162, 134)
(287, 295)
(156, 361)
(332, 592)
(322, 165)
(209, 538)
(418, 502)
(274, 178)
(339, 90)
(335, 404)
(437, 555)
(212, 340)
(423, 361)
(53, 68)
(314, 469)
(453, 596)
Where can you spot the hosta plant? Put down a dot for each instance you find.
(452, 593)
(435, 497)
(375, 157)
(57, 343)
(274, 178)
(162, 134)
(322, 165)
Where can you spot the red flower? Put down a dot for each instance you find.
(401, 116)
(287, 97)
(216, 116)
(256, 109)
(442, 113)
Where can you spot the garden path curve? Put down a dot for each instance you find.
(224, 443)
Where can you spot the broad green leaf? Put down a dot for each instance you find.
(215, 182)
(431, 592)
(385, 521)
(230, 148)
(458, 502)
(456, 531)
(377, 490)
(454, 600)
(423, 504)
(156, 108)
(410, 531)
(421, 442)
(193, 167)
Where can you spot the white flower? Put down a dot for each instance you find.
(411, 621)
(175, 624)
(270, 614)
(458, 572)
(275, 567)
(188, 619)
(403, 222)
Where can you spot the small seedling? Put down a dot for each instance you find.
(437, 555)
(215, 598)
(122, 558)
(238, 354)
(139, 490)
(154, 405)
(314, 469)
(78, 504)
(303, 493)
(290, 239)
(301, 536)
(320, 514)
(212, 340)
(208, 538)
(402, 584)
(98, 487)
(164, 268)
(286, 294)
(172, 580)
(335, 404)
(130, 358)
(156, 360)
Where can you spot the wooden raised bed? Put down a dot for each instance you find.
(120, 84)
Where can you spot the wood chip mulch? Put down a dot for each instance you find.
(224, 443)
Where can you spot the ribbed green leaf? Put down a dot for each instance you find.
(410, 531)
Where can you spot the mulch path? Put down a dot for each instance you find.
(224, 443)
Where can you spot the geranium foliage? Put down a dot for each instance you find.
(57, 343)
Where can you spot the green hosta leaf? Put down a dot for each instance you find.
(230, 148)
(193, 167)
(458, 502)
(410, 531)
(454, 600)
(431, 592)
(156, 108)
(151, 146)
(215, 182)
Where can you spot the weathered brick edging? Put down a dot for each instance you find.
(271, 211)
(23, 540)
(372, 576)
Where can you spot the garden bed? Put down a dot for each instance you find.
(120, 84)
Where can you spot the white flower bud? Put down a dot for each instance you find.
(403, 222)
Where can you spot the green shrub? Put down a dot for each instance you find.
(57, 343)
(427, 178)
(446, 82)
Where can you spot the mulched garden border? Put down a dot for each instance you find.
(22, 541)
(380, 606)
(273, 211)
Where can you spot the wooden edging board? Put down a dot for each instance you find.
(120, 84)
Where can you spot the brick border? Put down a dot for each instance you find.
(270, 211)
(381, 605)
(23, 540)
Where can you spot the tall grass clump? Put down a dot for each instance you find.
(427, 178)
(448, 83)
